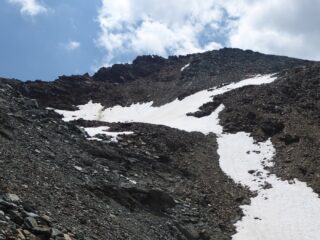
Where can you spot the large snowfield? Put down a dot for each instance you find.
(280, 211)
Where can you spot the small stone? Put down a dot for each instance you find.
(20, 235)
(37, 151)
(67, 237)
(30, 222)
(31, 214)
(3, 223)
(190, 232)
(12, 198)
(46, 218)
(56, 233)
(16, 217)
(26, 232)
(4, 205)
(80, 169)
(267, 185)
(204, 235)
(42, 230)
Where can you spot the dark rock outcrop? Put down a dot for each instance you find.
(153, 78)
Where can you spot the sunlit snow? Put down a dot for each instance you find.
(279, 211)
(94, 131)
(172, 114)
(184, 67)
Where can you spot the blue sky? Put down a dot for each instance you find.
(35, 47)
(42, 39)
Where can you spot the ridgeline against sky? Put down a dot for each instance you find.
(42, 39)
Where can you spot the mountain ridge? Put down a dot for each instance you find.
(160, 82)
(111, 190)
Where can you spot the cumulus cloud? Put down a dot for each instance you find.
(72, 45)
(131, 27)
(286, 27)
(29, 7)
(167, 27)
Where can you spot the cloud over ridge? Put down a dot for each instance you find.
(135, 27)
(158, 27)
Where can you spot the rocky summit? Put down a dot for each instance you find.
(109, 171)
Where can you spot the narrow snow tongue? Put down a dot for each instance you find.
(281, 210)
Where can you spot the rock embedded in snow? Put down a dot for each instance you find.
(94, 133)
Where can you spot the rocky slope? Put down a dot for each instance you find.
(288, 111)
(155, 184)
(151, 78)
(158, 183)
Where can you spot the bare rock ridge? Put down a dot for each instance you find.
(152, 78)
(158, 183)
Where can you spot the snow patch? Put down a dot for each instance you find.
(90, 111)
(240, 156)
(280, 210)
(80, 169)
(172, 114)
(186, 66)
(285, 211)
(94, 131)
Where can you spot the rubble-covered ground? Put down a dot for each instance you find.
(288, 111)
(159, 182)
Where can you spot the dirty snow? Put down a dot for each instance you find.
(184, 67)
(80, 169)
(281, 210)
(172, 114)
(94, 131)
(90, 111)
(285, 211)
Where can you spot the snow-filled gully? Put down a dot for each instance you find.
(280, 211)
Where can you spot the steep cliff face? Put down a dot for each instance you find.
(149, 181)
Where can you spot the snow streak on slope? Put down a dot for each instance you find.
(93, 131)
(279, 211)
(184, 67)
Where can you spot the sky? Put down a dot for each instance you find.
(43, 39)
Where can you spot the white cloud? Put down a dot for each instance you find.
(285, 27)
(134, 27)
(72, 45)
(131, 27)
(29, 7)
